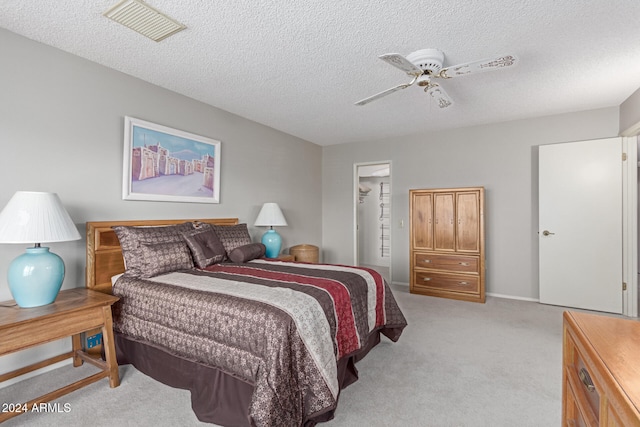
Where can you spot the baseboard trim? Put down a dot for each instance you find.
(491, 294)
(400, 284)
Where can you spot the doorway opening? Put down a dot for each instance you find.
(372, 216)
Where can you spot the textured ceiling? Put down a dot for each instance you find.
(299, 65)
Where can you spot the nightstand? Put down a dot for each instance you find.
(286, 257)
(74, 311)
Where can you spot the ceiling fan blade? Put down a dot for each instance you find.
(386, 92)
(381, 94)
(477, 66)
(443, 100)
(402, 63)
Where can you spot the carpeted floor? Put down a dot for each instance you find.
(456, 364)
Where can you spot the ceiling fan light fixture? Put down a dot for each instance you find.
(424, 80)
(440, 97)
(144, 19)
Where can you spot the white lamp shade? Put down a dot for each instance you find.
(36, 217)
(270, 215)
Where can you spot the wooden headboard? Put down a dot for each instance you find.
(104, 255)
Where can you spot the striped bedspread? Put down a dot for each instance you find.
(280, 326)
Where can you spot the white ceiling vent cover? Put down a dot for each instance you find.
(144, 19)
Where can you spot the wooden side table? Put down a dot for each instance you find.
(74, 311)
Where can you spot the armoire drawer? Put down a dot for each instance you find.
(446, 282)
(455, 263)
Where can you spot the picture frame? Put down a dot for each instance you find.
(169, 165)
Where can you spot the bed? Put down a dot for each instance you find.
(258, 342)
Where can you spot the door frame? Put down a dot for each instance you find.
(630, 225)
(630, 138)
(356, 201)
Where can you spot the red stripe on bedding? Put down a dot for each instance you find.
(377, 277)
(347, 338)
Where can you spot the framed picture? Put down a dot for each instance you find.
(169, 165)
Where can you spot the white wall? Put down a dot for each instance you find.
(501, 157)
(61, 130)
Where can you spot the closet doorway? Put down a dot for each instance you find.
(372, 216)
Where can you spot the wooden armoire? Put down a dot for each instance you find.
(446, 230)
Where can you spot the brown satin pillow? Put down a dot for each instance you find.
(160, 258)
(205, 246)
(132, 237)
(232, 236)
(247, 252)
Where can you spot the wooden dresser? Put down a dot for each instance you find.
(601, 371)
(447, 243)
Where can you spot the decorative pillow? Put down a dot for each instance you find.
(160, 258)
(232, 236)
(205, 246)
(247, 252)
(132, 237)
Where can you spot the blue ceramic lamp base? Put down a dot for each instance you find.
(273, 242)
(35, 277)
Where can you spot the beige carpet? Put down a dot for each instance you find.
(457, 364)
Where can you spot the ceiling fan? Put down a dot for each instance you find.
(426, 64)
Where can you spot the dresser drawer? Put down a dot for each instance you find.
(455, 263)
(447, 282)
(573, 416)
(583, 387)
(600, 370)
(585, 391)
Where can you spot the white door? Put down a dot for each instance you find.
(580, 224)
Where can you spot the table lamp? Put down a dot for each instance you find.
(270, 215)
(36, 276)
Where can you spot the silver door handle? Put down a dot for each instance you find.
(547, 233)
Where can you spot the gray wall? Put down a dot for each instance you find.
(630, 112)
(501, 157)
(61, 130)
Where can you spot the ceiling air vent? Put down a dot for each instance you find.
(144, 19)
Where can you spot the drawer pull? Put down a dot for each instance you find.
(426, 279)
(426, 261)
(463, 263)
(586, 380)
(464, 283)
